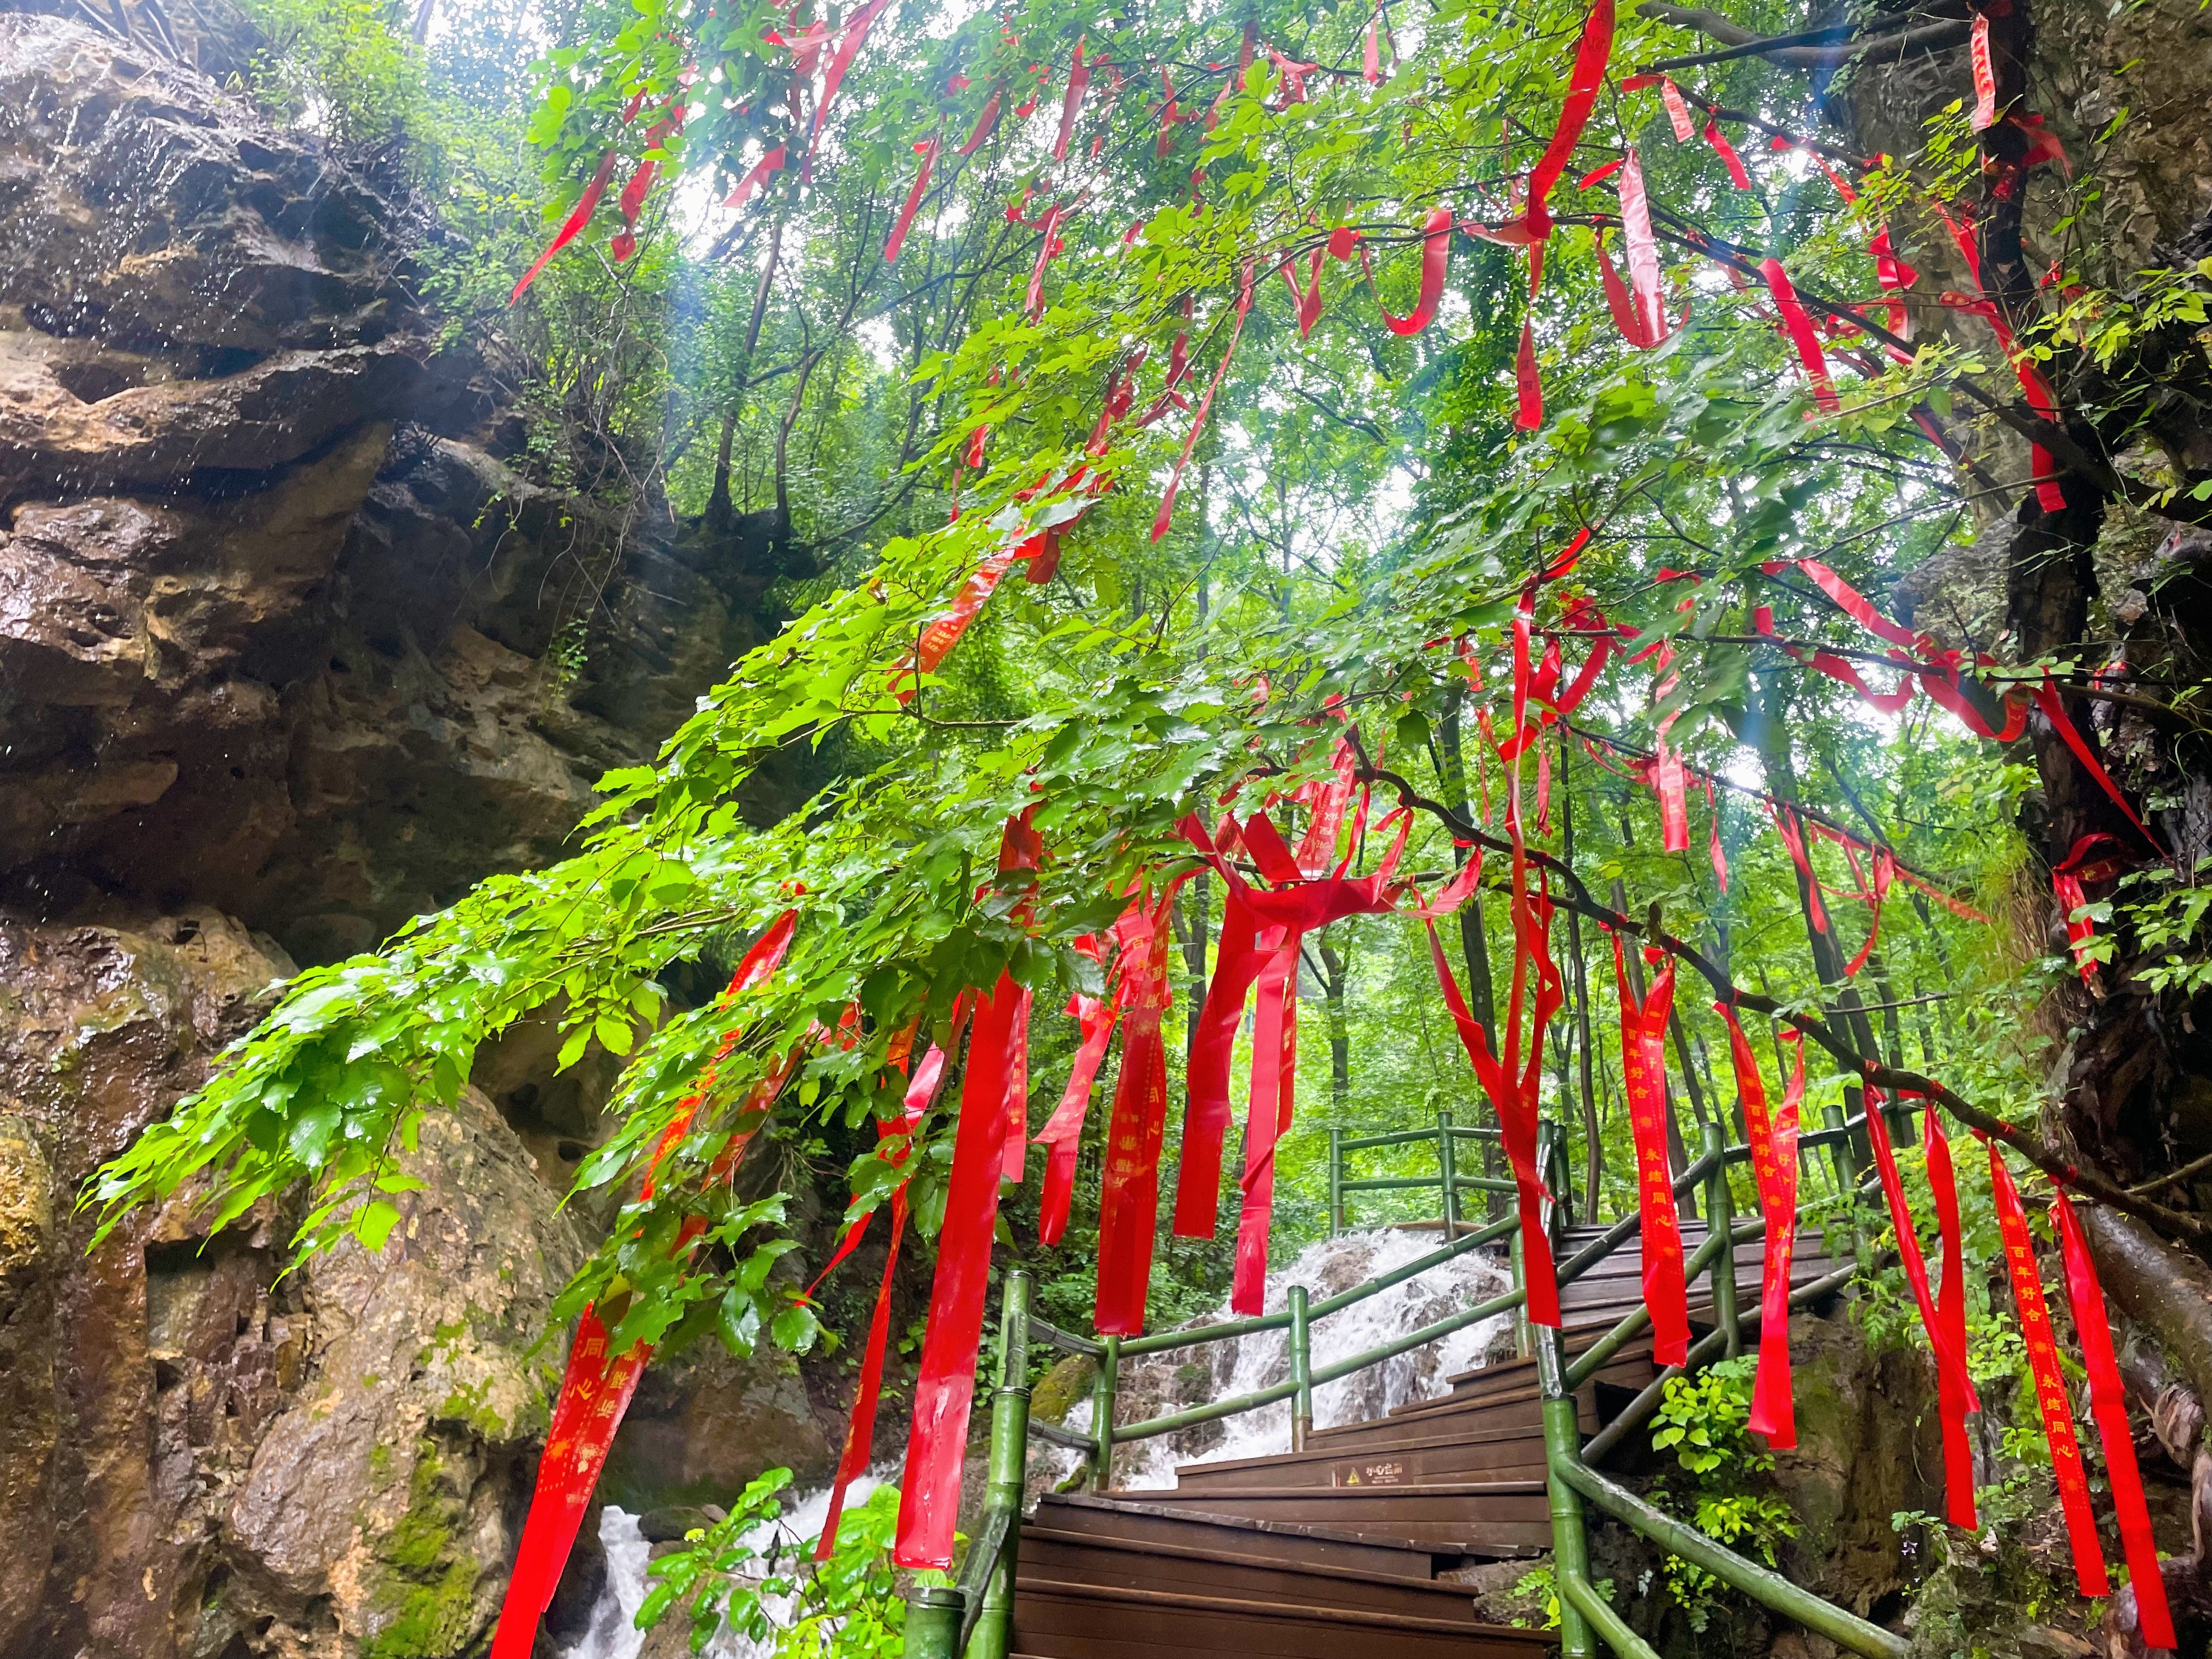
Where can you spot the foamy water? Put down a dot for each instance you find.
(1155, 1384)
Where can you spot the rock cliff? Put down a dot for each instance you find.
(289, 652)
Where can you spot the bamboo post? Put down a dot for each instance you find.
(1562, 1438)
(1301, 1370)
(933, 1622)
(1335, 1182)
(1102, 1416)
(1002, 1496)
(1448, 1167)
(1720, 1218)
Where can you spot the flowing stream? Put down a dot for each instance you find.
(1155, 1384)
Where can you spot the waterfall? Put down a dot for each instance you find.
(1155, 1384)
(611, 1635)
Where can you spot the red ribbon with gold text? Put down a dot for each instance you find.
(1955, 1391)
(1643, 1070)
(2050, 1395)
(1774, 1166)
(2108, 1404)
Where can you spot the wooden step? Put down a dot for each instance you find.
(1508, 1452)
(1474, 1414)
(1058, 1621)
(1225, 1567)
(1489, 1518)
(1152, 1520)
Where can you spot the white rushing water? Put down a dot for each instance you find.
(1155, 1384)
(611, 1633)
(1158, 1384)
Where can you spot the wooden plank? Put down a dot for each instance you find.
(1077, 1558)
(1511, 1453)
(1079, 1622)
(1156, 1522)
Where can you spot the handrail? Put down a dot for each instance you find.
(1229, 1329)
(973, 1619)
(1448, 1181)
(1763, 1584)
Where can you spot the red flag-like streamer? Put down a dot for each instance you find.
(1955, 1391)
(1078, 82)
(927, 150)
(1985, 80)
(2108, 1404)
(1128, 1199)
(1591, 56)
(929, 1500)
(1725, 151)
(1643, 1069)
(1803, 337)
(2050, 1395)
(1774, 1166)
(1950, 1306)
(1528, 385)
(573, 226)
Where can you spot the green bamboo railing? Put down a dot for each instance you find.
(1448, 1183)
(971, 1619)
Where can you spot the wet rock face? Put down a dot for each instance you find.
(289, 653)
(198, 1456)
(279, 629)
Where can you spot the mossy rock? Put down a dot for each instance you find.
(1061, 1389)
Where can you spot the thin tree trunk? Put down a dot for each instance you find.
(1473, 939)
(1336, 978)
(1593, 1158)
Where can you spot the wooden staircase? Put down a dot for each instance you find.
(1332, 1551)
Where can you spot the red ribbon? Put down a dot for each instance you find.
(1013, 1156)
(929, 1501)
(1802, 336)
(1774, 1167)
(1529, 385)
(2108, 1404)
(1055, 217)
(1985, 80)
(1591, 56)
(1128, 1198)
(771, 163)
(1955, 1391)
(2067, 882)
(1306, 300)
(1436, 258)
(1644, 1069)
(2050, 1395)
(1078, 82)
(1268, 1115)
(848, 45)
(1651, 309)
(1951, 1308)
(1515, 1103)
(2054, 710)
(1725, 151)
(596, 1386)
(861, 1428)
(927, 150)
(1062, 1134)
(987, 122)
(579, 217)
